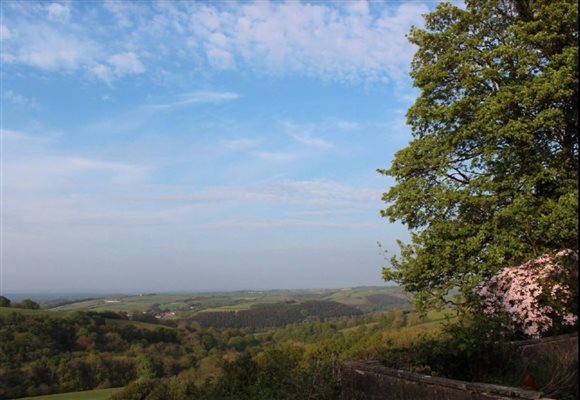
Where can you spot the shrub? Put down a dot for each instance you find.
(538, 297)
(472, 349)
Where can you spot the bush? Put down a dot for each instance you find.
(473, 349)
(4, 301)
(28, 304)
(538, 298)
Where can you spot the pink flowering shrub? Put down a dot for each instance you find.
(537, 297)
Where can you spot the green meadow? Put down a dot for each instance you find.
(100, 394)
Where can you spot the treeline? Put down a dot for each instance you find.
(378, 302)
(275, 315)
(54, 303)
(26, 303)
(45, 353)
(281, 372)
(296, 362)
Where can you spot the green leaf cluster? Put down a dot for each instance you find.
(490, 177)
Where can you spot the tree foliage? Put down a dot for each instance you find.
(4, 301)
(28, 304)
(278, 314)
(43, 353)
(490, 178)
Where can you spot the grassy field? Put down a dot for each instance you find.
(101, 394)
(373, 298)
(125, 303)
(137, 324)
(57, 314)
(432, 320)
(235, 307)
(441, 315)
(24, 311)
(365, 298)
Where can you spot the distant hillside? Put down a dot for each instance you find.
(371, 298)
(184, 306)
(4, 311)
(105, 317)
(275, 315)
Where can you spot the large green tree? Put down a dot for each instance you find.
(490, 177)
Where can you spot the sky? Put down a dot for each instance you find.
(198, 146)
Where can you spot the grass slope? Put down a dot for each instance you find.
(5, 311)
(9, 310)
(100, 394)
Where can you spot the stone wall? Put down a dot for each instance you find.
(371, 381)
(550, 345)
(553, 361)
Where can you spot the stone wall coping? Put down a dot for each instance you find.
(504, 391)
(550, 339)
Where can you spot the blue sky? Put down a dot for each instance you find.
(200, 145)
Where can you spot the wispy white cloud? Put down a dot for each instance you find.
(58, 12)
(275, 157)
(12, 135)
(102, 72)
(198, 98)
(123, 11)
(319, 213)
(153, 169)
(297, 192)
(284, 224)
(118, 65)
(324, 190)
(126, 63)
(220, 58)
(83, 189)
(122, 219)
(333, 41)
(312, 141)
(48, 48)
(47, 191)
(82, 164)
(5, 33)
(47, 38)
(347, 43)
(19, 99)
(302, 134)
(51, 170)
(23, 139)
(347, 125)
(241, 144)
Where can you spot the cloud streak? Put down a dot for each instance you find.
(237, 145)
(345, 43)
(147, 134)
(297, 224)
(297, 192)
(332, 41)
(194, 98)
(310, 140)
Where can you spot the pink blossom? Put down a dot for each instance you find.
(570, 319)
(535, 295)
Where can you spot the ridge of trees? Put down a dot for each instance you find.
(275, 315)
(43, 353)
